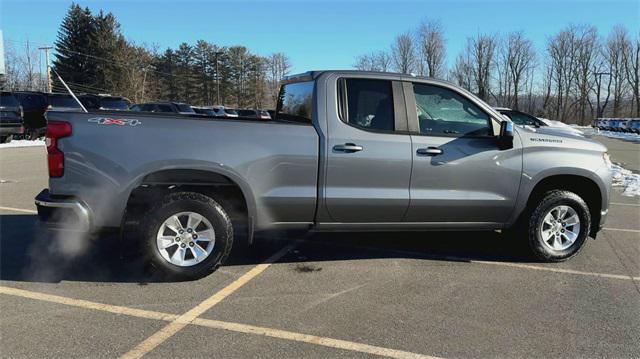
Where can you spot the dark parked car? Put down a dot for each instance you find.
(105, 102)
(34, 105)
(204, 111)
(62, 102)
(168, 107)
(10, 117)
(258, 114)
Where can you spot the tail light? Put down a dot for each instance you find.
(55, 157)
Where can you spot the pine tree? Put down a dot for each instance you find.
(109, 47)
(73, 48)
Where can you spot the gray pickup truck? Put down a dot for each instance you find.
(347, 150)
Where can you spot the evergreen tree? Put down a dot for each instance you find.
(109, 47)
(74, 43)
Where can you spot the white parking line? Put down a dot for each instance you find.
(625, 204)
(31, 211)
(183, 320)
(475, 261)
(621, 230)
(216, 324)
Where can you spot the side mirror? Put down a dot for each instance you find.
(505, 138)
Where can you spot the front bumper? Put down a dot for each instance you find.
(65, 213)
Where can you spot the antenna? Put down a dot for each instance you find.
(70, 92)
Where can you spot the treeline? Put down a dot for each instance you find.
(92, 55)
(579, 76)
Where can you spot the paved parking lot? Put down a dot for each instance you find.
(404, 295)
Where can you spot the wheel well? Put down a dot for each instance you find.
(584, 187)
(222, 189)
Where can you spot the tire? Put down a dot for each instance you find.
(187, 264)
(6, 139)
(547, 218)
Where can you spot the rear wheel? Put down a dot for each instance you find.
(188, 235)
(6, 139)
(558, 226)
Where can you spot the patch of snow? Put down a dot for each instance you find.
(22, 143)
(633, 137)
(629, 181)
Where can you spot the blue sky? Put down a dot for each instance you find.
(318, 35)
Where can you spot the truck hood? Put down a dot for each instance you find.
(551, 137)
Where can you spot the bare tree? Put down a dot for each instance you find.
(520, 59)
(561, 51)
(383, 61)
(482, 50)
(366, 62)
(431, 48)
(617, 46)
(403, 53)
(278, 65)
(22, 68)
(632, 67)
(462, 72)
(587, 52)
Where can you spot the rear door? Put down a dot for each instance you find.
(369, 152)
(460, 176)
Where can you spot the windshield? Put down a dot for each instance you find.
(114, 104)
(62, 101)
(8, 100)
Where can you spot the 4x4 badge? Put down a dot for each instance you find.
(114, 121)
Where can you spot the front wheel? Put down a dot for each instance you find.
(559, 226)
(188, 235)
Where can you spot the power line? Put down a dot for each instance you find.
(116, 62)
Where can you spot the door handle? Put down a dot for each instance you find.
(429, 151)
(348, 147)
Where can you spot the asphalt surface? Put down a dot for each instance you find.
(443, 294)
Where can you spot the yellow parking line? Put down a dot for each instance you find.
(183, 320)
(216, 324)
(18, 210)
(310, 339)
(621, 230)
(87, 304)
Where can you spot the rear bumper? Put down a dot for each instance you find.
(63, 213)
(11, 130)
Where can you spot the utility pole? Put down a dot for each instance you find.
(598, 76)
(46, 56)
(218, 53)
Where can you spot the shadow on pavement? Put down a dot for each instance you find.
(32, 255)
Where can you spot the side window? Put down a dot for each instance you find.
(148, 107)
(164, 108)
(295, 102)
(367, 104)
(445, 112)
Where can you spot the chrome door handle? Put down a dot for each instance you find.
(429, 151)
(347, 147)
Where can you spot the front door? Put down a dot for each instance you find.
(460, 176)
